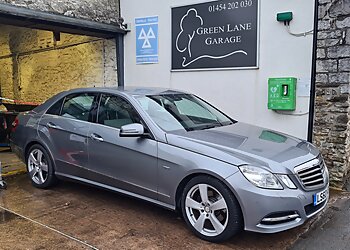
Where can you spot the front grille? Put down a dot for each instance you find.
(312, 174)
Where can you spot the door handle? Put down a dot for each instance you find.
(96, 137)
(52, 125)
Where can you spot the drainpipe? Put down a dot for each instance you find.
(120, 59)
(313, 77)
(120, 49)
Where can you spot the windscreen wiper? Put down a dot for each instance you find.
(209, 126)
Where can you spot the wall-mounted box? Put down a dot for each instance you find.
(285, 16)
(282, 93)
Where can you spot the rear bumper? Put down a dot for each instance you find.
(271, 211)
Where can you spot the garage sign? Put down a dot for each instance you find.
(215, 35)
(146, 40)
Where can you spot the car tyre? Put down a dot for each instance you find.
(210, 209)
(40, 167)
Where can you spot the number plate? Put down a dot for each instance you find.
(320, 197)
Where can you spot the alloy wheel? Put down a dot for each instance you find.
(38, 166)
(206, 210)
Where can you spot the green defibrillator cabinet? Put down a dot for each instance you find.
(282, 93)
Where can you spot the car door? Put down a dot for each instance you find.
(122, 162)
(64, 128)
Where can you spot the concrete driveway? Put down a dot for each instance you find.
(9, 162)
(332, 231)
(75, 216)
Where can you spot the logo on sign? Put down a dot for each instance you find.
(146, 37)
(191, 25)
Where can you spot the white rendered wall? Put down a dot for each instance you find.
(242, 94)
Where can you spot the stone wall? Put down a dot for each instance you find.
(106, 11)
(331, 130)
(34, 66)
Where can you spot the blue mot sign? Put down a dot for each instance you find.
(146, 40)
(215, 35)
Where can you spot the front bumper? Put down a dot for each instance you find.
(271, 211)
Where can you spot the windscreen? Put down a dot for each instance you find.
(182, 111)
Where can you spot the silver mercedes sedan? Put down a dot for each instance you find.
(176, 150)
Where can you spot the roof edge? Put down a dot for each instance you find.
(62, 22)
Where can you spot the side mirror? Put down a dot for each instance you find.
(132, 130)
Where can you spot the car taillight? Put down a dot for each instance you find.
(14, 125)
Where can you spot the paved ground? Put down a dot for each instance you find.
(10, 164)
(105, 220)
(330, 232)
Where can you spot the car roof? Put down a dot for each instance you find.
(126, 91)
(131, 91)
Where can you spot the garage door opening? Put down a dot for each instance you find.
(36, 64)
(42, 54)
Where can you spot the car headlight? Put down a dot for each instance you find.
(260, 177)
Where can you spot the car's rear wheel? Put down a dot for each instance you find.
(210, 209)
(40, 167)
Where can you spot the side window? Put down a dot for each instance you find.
(116, 112)
(80, 106)
(55, 108)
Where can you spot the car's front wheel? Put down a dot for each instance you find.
(210, 209)
(40, 167)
